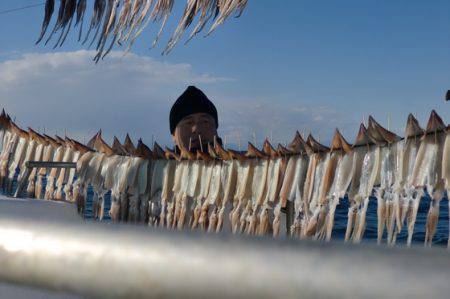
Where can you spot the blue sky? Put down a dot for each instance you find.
(284, 65)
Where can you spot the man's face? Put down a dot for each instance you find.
(192, 129)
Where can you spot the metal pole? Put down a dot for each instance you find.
(114, 261)
(39, 164)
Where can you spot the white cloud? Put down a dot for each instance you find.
(67, 91)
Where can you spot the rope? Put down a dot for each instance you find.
(20, 8)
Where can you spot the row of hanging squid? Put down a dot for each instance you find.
(120, 22)
(19, 146)
(218, 190)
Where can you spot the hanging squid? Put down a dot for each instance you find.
(243, 192)
(427, 171)
(121, 22)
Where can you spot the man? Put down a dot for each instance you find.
(193, 120)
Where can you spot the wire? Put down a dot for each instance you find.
(20, 8)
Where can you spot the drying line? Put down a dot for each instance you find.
(20, 8)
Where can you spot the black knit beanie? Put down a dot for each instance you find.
(193, 100)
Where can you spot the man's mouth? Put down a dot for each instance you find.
(195, 143)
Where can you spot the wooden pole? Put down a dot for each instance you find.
(239, 140)
(201, 144)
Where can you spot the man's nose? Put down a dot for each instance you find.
(195, 128)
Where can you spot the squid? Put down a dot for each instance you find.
(318, 160)
(387, 198)
(97, 177)
(121, 23)
(367, 164)
(3, 129)
(162, 10)
(81, 10)
(200, 165)
(97, 15)
(170, 196)
(249, 217)
(271, 204)
(29, 155)
(60, 17)
(172, 202)
(199, 209)
(139, 23)
(207, 12)
(41, 142)
(293, 182)
(132, 20)
(80, 185)
(118, 148)
(17, 157)
(225, 9)
(108, 25)
(188, 16)
(47, 155)
(63, 175)
(446, 169)
(337, 176)
(70, 9)
(118, 187)
(53, 174)
(124, 178)
(409, 196)
(137, 184)
(205, 168)
(210, 206)
(49, 9)
(244, 192)
(190, 172)
(9, 144)
(78, 150)
(94, 178)
(144, 180)
(427, 171)
(108, 172)
(228, 181)
(125, 20)
(161, 189)
(243, 188)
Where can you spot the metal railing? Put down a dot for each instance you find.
(116, 261)
(40, 164)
